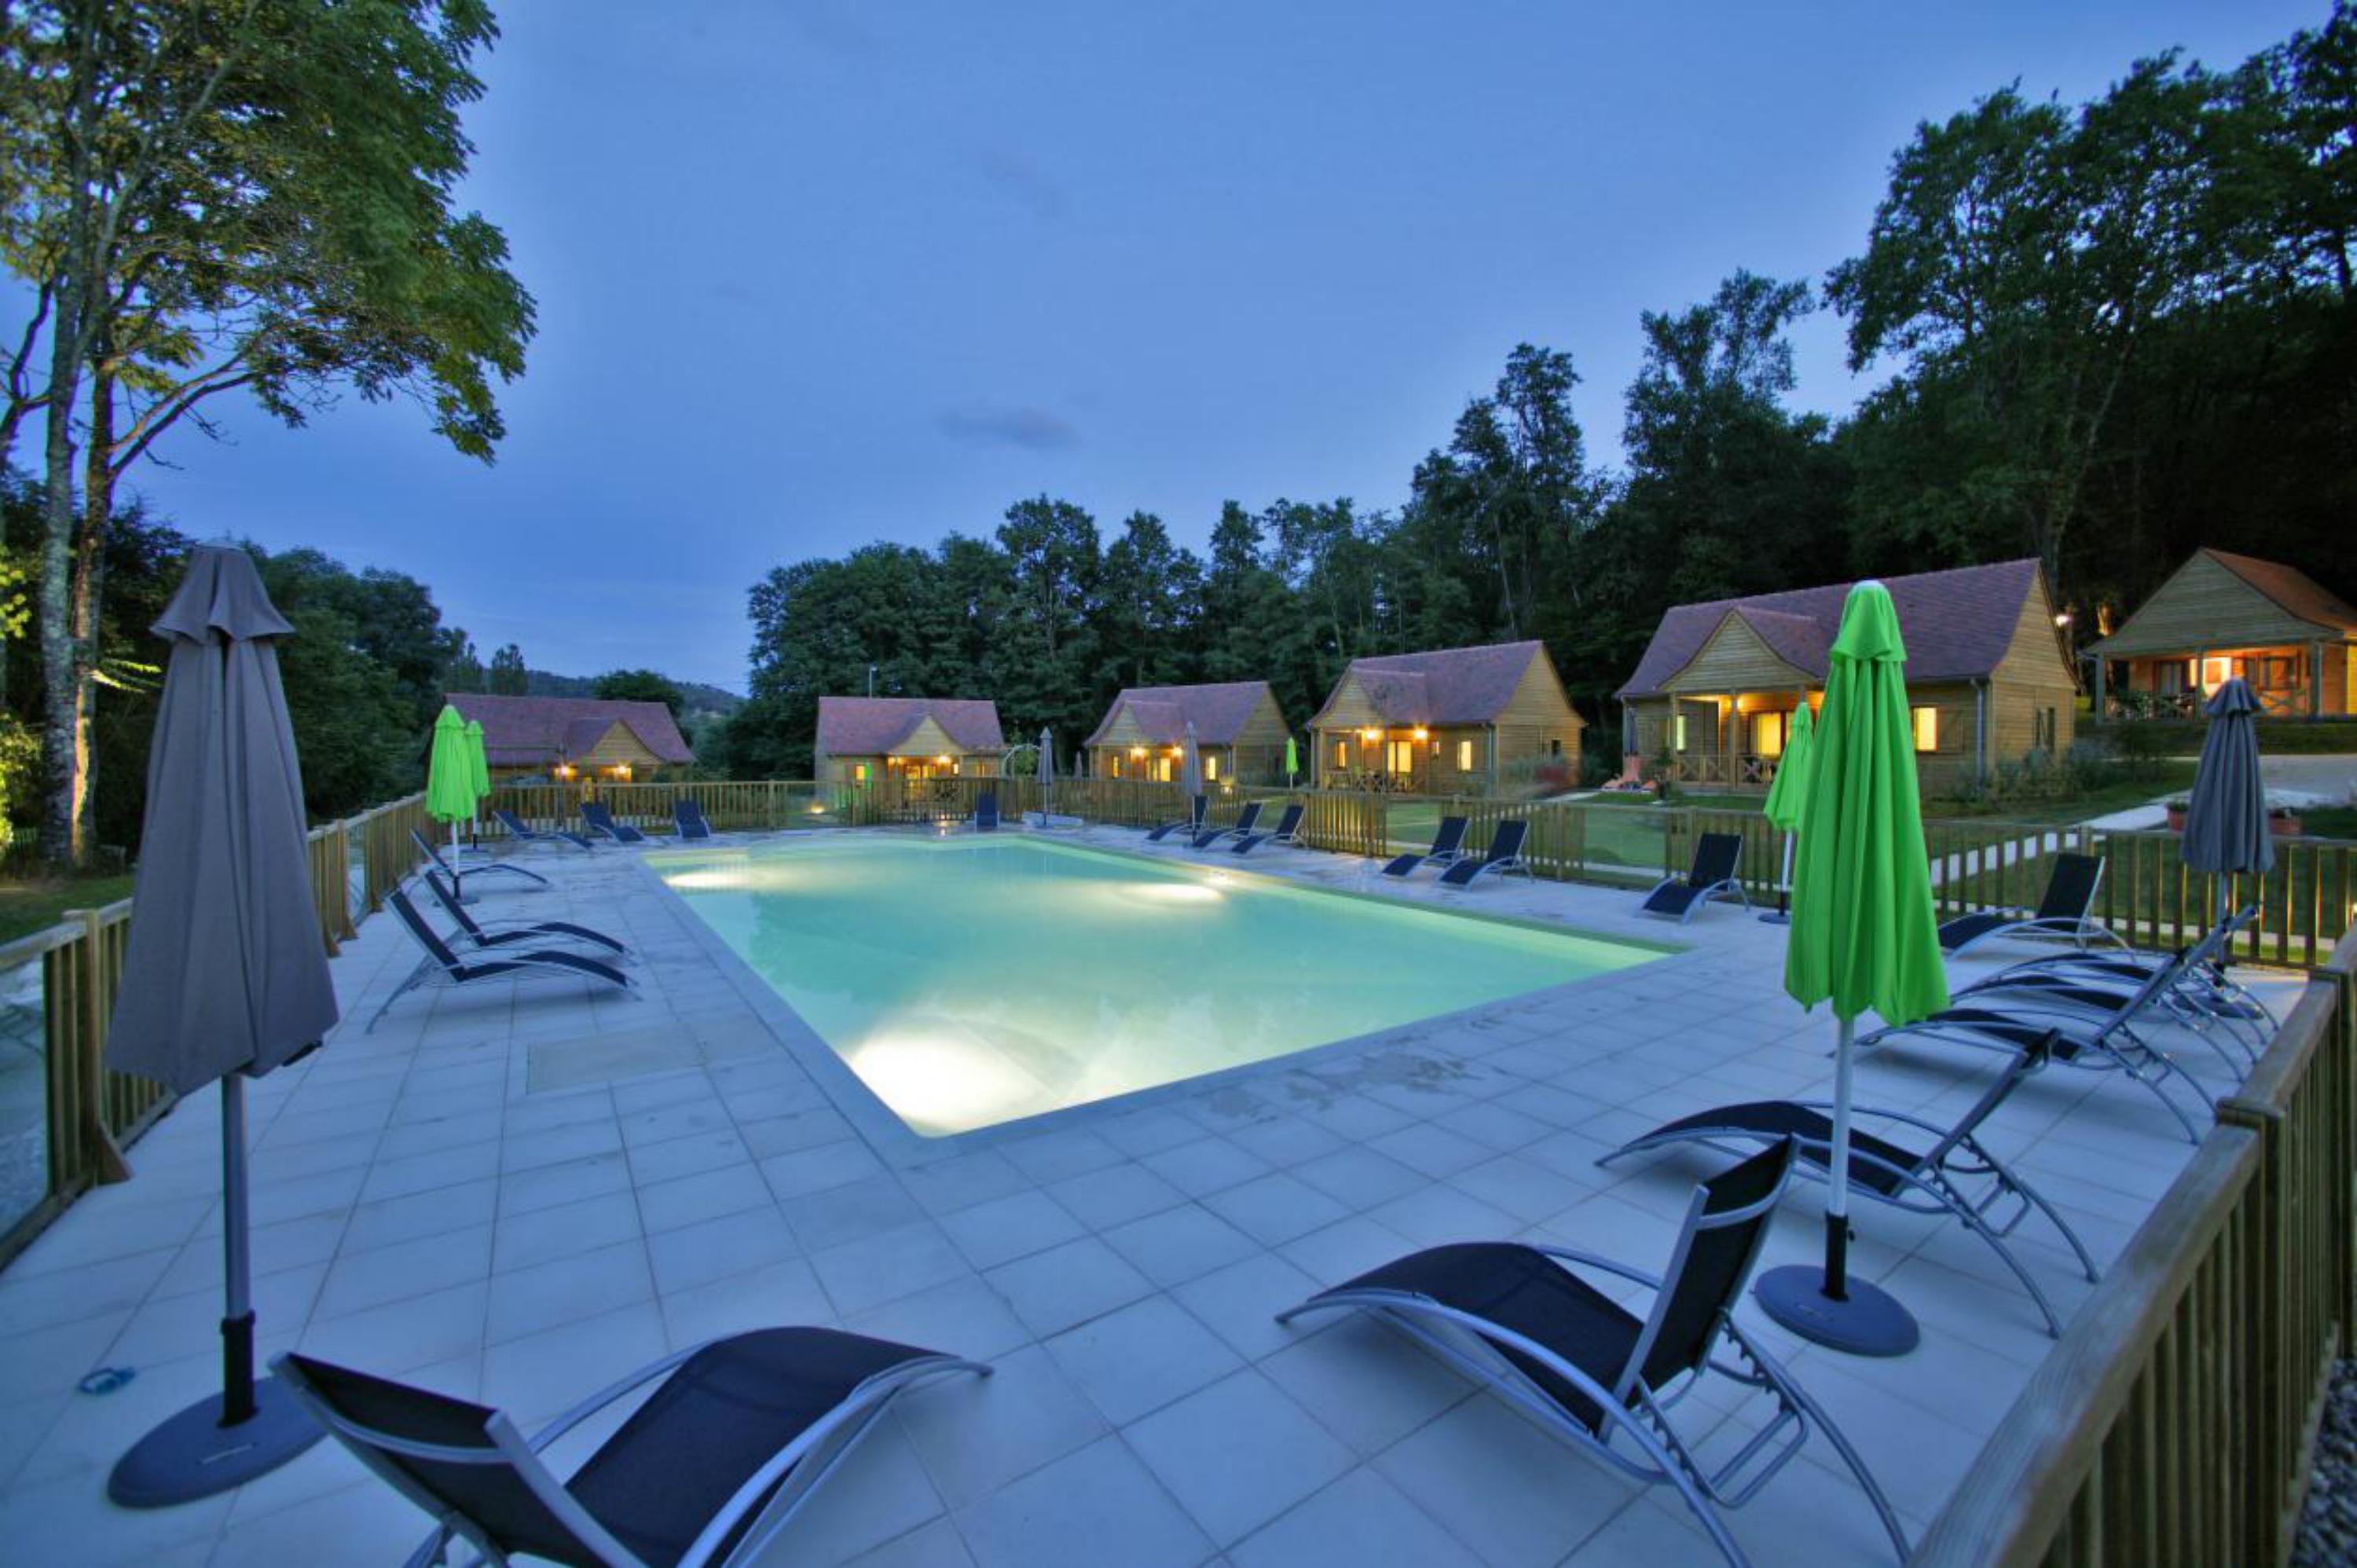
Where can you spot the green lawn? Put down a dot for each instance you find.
(28, 904)
(2171, 778)
(2328, 821)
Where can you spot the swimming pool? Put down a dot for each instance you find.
(976, 981)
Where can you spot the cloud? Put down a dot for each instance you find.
(1020, 180)
(1033, 429)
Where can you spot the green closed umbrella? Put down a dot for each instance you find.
(1864, 937)
(1788, 797)
(1292, 761)
(479, 758)
(450, 773)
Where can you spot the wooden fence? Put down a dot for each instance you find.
(2174, 1423)
(92, 1112)
(2147, 894)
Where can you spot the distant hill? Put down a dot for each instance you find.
(703, 702)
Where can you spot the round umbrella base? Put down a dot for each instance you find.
(1775, 917)
(193, 1456)
(1871, 1322)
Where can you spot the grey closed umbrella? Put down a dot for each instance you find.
(1191, 764)
(1047, 776)
(2226, 815)
(224, 975)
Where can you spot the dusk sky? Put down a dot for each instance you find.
(813, 275)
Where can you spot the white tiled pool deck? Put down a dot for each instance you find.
(516, 1197)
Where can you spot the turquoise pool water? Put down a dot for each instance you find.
(975, 980)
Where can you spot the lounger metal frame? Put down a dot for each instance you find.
(811, 1457)
(1939, 1175)
(1628, 1407)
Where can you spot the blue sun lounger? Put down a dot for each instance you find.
(2065, 913)
(601, 819)
(689, 816)
(443, 966)
(1448, 849)
(1287, 831)
(986, 812)
(1713, 876)
(524, 832)
(1190, 825)
(1505, 855)
(1246, 821)
(492, 935)
(457, 878)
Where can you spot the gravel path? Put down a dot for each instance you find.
(2328, 1526)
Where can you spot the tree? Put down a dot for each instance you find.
(2022, 258)
(642, 686)
(1146, 605)
(1043, 669)
(214, 196)
(508, 676)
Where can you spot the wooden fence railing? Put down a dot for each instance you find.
(1976, 864)
(2174, 1423)
(92, 1112)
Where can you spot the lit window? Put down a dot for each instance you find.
(858, 772)
(1464, 757)
(1927, 728)
(1342, 754)
(1211, 766)
(1678, 733)
(1768, 734)
(1401, 757)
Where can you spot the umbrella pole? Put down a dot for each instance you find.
(252, 1427)
(1782, 914)
(1825, 1304)
(237, 1312)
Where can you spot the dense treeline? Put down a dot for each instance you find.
(2112, 332)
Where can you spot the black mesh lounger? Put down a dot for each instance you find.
(1448, 849)
(2203, 996)
(986, 812)
(706, 1471)
(599, 819)
(1505, 855)
(1521, 1321)
(1246, 821)
(2062, 913)
(457, 878)
(1190, 825)
(442, 966)
(524, 832)
(689, 817)
(1716, 858)
(1287, 830)
(2099, 1043)
(1945, 1178)
(495, 934)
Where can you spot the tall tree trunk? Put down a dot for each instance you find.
(88, 588)
(62, 734)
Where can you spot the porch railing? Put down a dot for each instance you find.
(2174, 1423)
